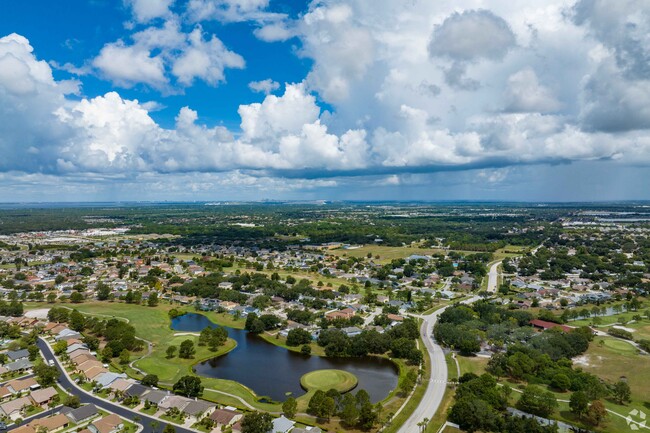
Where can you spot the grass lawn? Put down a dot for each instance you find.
(385, 253)
(226, 319)
(471, 364)
(324, 380)
(615, 359)
(169, 370)
(281, 341)
(150, 411)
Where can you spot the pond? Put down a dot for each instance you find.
(274, 371)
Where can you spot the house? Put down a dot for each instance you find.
(105, 379)
(176, 401)
(346, 313)
(543, 325)
(71, 348)
(282, 425)
(108, 424)
(15, 355)
(66, 334)
(136, 390)
(155, 397)
(20, 385)
(120, 385)
(225, 417)
(307, 430)
(80, 355)
(42, 397)
(87, 365)
(198, 408)
(13, 408)
(5, 393)
(51, 424)
(93, 372)
(394, 317)
(80, 414)
(351, 331)
(20, 365)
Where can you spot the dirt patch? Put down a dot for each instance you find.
(582, 360)
(41, 313)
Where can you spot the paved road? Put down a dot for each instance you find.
(435, 388)
(437, 383)
(86, 397)
(493, 277)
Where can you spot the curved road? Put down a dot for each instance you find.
(86, 397)
(493, 277)
(437, 383)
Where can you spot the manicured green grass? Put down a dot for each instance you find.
(278, 340)
(150, 411)
(324, 380)
(169, 370)
(226, 319)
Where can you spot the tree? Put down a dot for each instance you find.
(305, 349)
(189, 386)
(298, 336)
(349, 411)
(257, 422)
(91, 341)
(153, 299)
(46, 375)
(186, 349)
(169, 429)
(125, 357)
(171, 351)
(561, 382)
(107, 354)
(537, 401)
(289, 407)
(579, 403)
(60, 347)
(72, 401)
(150, 380)
(76, 298)
(621, 392)
(77, 321)
(596, 412)
(103, 291)
(51, 298)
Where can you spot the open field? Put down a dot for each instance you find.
(471, 364)
(324, 380)
(614, 359)
(386, 254)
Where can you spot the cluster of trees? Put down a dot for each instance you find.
(119, 335)
(464, 327)
(399, 340)
(526, 363)
(257, 324)
(480, 405)
(213, 337)
(354, 410)
(257, 422)
(13, 308)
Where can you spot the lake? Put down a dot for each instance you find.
(273, 371)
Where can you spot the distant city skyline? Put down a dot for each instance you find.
(185, 100)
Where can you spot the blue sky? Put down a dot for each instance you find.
(324, 99)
